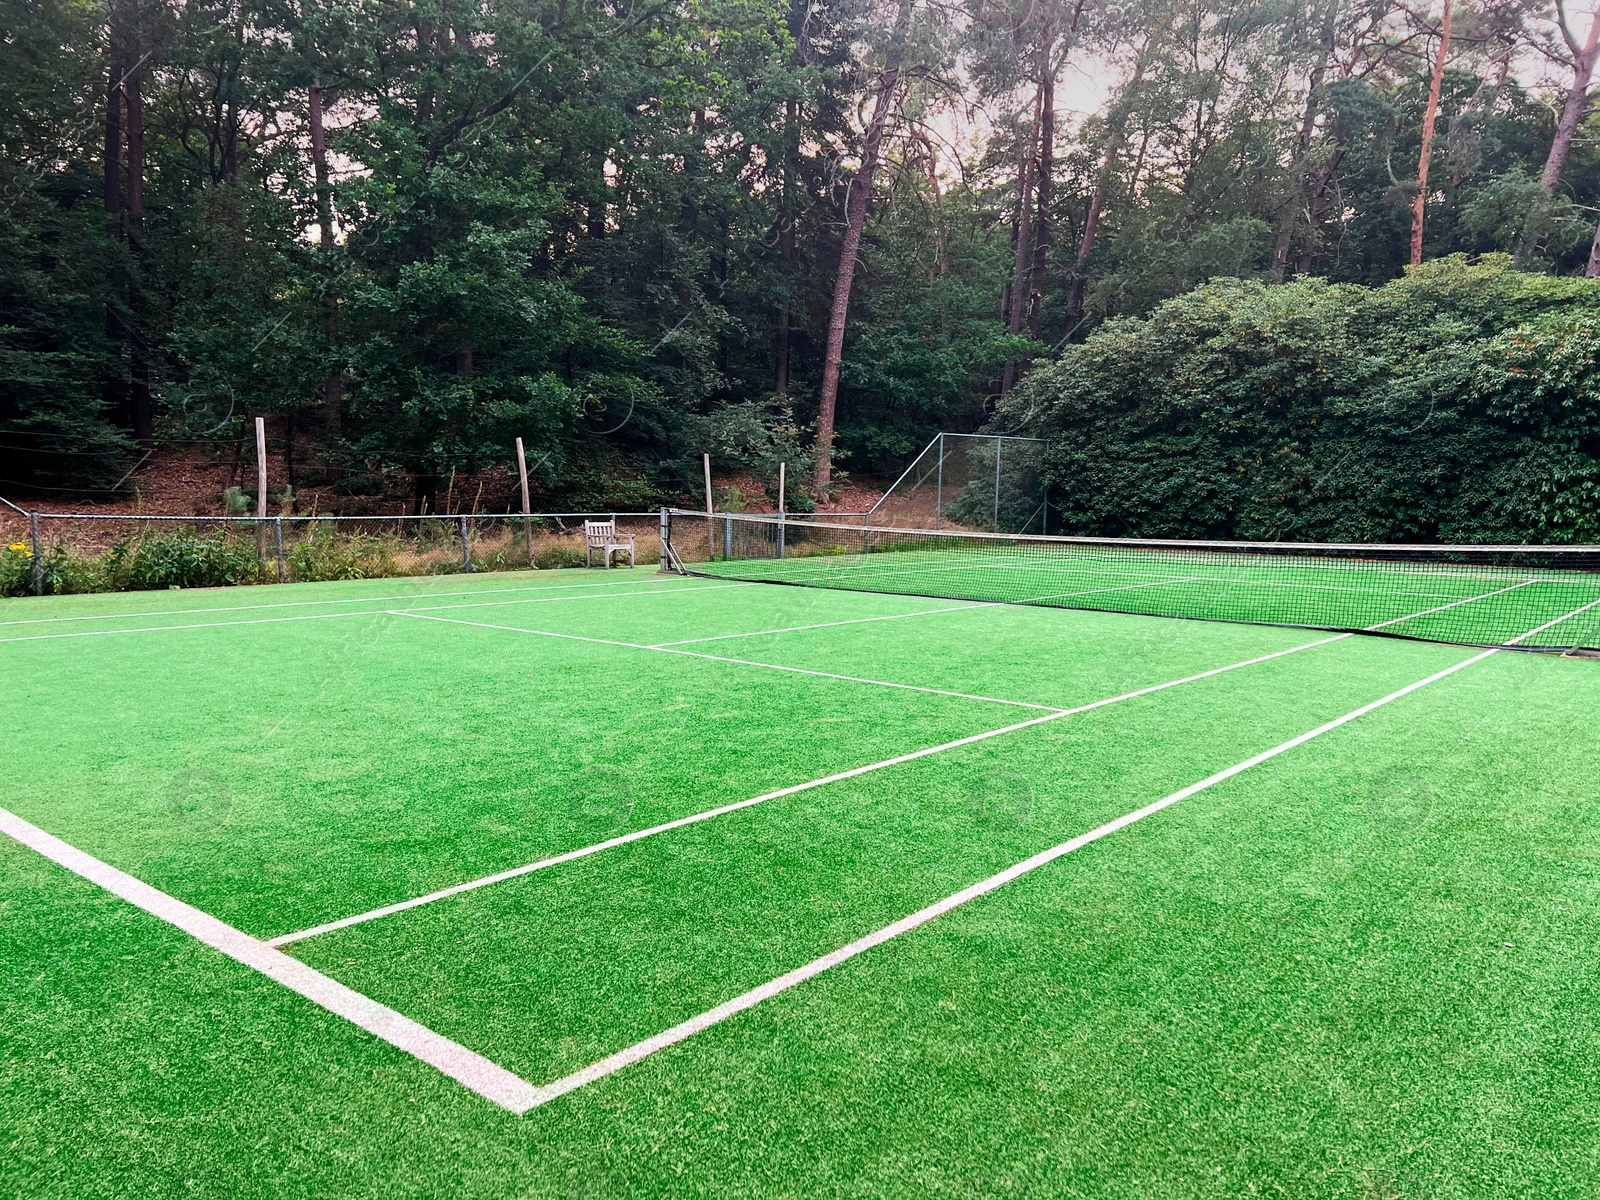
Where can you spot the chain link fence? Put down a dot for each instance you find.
(61, 553)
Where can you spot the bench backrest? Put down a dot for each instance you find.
(600, 532)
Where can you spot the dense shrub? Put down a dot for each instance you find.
(182, 557)
(1460, 403)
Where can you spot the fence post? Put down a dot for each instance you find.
(997, 444)
(938, 491)
(664, 567)
(466, 553)
(527, 521)
(277, 534)
(38, 558)
(261, 488)
(783, 480)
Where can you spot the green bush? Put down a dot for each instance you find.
(181, 557)
(1460, 403)
(321, 556)
(16, 570)
(558, 555)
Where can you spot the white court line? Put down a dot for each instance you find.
(926, 612)
(181, 612)
(687, 1029)
(489, 1080)
(745, 662)
(571, 855)
(376, 612)
(1453, 604)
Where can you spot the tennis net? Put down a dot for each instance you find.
(1545, 597)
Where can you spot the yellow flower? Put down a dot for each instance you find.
(20, 547)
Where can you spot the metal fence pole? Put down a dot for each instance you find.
(664, 567)
(466, 553)
(38, 558)
(727, 537)
(938, 491)
(997, 444)
(277, 534)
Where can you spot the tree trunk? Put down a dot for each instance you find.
(786, 239)
(1572, 110)
(140, 408)
(1022, 255)
(1419, 204)
(1593, 271)
(333, 382)
(114, 391)
(1117, 124)
(1308, 128)
(1041, 221)
(855, 221)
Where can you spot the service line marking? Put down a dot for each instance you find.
(696, 818)
(490, 1080)
(924, 612)
(687, 1029)
(746, 662)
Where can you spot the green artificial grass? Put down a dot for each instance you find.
(1361, 969)
(1437, 600)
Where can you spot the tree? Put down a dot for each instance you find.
(884, 90)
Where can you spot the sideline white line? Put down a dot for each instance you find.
(571, 855)
(375, 612)
(182, 612)
(687, 1029)
(1454, 604)
(489, 1080)
(746, 662)
(925, 612)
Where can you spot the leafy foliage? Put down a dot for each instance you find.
(1460, 403)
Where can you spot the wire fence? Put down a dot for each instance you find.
(984, 482)
(65, 553)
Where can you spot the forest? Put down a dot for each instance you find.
(1264, 268)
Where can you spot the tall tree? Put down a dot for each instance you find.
(887, 85)
(1430, 114)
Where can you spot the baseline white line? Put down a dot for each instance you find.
(181, 612)
(925, 612)
(1453, 604)
(687, 1029)
(746, 662)
(488, 1079)
(45, 637)
(571, 855)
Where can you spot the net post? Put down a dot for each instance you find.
(277, 536)
(938, 490)
(783, 479)
(664, 567)
(466, 554)
(38, 558)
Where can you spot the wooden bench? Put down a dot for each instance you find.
(603, 536)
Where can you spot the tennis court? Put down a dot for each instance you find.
(603, 883)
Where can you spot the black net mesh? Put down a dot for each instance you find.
(1535, 597)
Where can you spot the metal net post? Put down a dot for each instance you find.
(38, 558)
